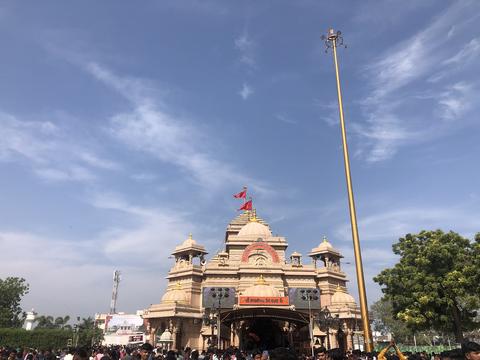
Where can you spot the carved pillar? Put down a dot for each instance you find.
(174, 335)
(151, 332)
(152, 339)
(349, 339)
(333, 339)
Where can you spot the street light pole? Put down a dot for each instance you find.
(309, 295)
(219, 326)
(219, 293)
(310, 326)
(332, 40)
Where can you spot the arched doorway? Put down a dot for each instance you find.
(263, 334)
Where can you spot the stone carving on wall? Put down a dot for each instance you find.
(259, 260)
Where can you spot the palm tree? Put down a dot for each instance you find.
(87, 323)
(61, 322)
(45, 322)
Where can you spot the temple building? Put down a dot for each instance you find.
(255, 296)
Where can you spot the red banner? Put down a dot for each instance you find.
(246, 206)
(241, 195)
(263, 300)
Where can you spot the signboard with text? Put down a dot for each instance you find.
(263, 300)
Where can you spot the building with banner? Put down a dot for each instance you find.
(121, 328)
(254, 296)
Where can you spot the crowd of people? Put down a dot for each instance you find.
(468, 351)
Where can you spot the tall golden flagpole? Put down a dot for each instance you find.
(332, 40)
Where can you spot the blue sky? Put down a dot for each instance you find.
(125, 126)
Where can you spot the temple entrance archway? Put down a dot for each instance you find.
(263, 334)
(266, 328)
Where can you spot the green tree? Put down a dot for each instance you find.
(435, 283)
(12, 289)
(88, 332)
(385, 321)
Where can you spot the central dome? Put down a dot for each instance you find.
(261, 289)
(255, 229)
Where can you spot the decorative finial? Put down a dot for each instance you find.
(261, 281)
(253, 217)
(325, 239)
(190, 236)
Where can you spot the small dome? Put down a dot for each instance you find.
(175, 295)
(296, 254)
(254, 228)
(341, 297)
(187, 243)
(166, 336)
(324, 246)
(261, 288)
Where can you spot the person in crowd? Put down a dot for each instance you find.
(99, 353)
(69, 354)
(146, 351)
(321, 353)
(282, 353)
(336, 354)
(392, 345)
(128, 354)
(80, 354)
(171, 355)
(471, 350)
(455, 354)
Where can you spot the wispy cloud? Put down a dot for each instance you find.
(285, 119)
(455, 101)
(75, 267)
(151, 127)
(246, 48)
(390, 225)
(328, 112)
(125, 245)
(246, 91)
(150, 226)
(467, 53)
(53, 153)
(379, 229)
(392, 118)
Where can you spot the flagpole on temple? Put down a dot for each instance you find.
(331, 41)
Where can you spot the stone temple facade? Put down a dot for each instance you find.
(266, 287)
